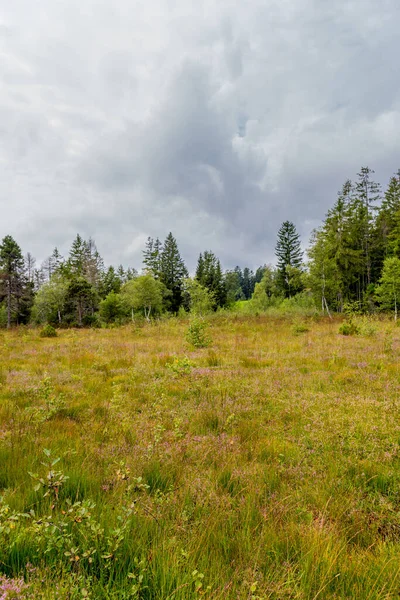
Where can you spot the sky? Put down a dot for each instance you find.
(214, 120)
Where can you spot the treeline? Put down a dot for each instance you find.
(353, 260)
(79, 291)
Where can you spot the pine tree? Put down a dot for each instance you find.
(172, 271)
(12, 277)
(367, 193)
(56, 260)
(209, 275)
(385, 234)
(388, 292)
(152, 257)
(200, 269)
(248, 283)
(289, 253)
(336, 254)
(111, 282)
(76, 259)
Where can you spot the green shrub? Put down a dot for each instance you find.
(197, 334)
(349, 328)
(299, 328)
(180, 366)
(48, 331)
(302, 303)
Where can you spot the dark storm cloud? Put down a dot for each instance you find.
(215, 121)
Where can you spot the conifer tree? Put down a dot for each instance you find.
(172, 271)
(209, 275)
(152, 257)
(367, 194)
(289, 254)
(336, 254)
(76, 259)
(112, 282)
(385, 234)
(12, 277)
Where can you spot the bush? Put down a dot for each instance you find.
(302, 303)
(197, 334)
(48, 331)
(92, 321)
(111, 308)
(299, 328)
(349, 328)
(180, 366)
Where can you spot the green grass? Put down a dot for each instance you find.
(264, 466)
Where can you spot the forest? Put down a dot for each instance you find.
(352, 263)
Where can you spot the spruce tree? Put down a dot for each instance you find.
(152, 257)
(76, 259)
(209, 275)
(172, 271)
(289, 254)
(336, 254)
(12, 277)
(367, 194)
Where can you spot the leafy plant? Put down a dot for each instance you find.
(180, 365)
(53, 480)
(48, 331)
(299, 328)
(197, 335)
(349, 328)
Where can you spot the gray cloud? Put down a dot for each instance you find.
(214, 120)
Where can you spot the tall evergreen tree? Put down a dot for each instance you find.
(152, 255)
(385, 234)
(209, 275)
(289, 254)
(336, 254)
(76, 259)
(112, 282)
(12, 277)
(367, 194)
(173, 271)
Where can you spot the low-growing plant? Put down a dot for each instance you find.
(48, 331)
(299, 328)
(349, 328)
(180, 365)
(51, 403)
(52, 481)
(13, 589)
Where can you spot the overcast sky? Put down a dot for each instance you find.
(216, 120)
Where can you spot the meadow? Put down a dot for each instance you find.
(266, 465)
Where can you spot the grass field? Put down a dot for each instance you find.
(263, 466)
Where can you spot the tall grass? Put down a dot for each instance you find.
(264, 466)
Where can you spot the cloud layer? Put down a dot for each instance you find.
(216, 121)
